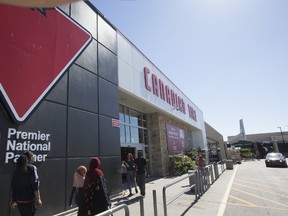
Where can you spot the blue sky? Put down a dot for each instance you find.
(230, 57)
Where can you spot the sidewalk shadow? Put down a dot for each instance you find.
(126, 200)
(189, 207)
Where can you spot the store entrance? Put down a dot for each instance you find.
(125, 151)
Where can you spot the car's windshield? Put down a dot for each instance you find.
(274, 155)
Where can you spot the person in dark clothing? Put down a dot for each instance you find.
(131, 167)
(140, 173)
(25, 188)
(31, 158)
(96, 194)
(78, 190)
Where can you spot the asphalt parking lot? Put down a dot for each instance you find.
(257, 190)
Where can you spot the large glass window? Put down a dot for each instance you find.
(122, 133)
(132, 125)
(134, 135)
(127, 133)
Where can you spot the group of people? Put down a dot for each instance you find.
(89, 186)
(136, 170)
(90, 190)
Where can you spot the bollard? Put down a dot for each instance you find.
(229, 164)
(191, 178)
(155, 203)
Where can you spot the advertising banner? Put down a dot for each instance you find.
(175, 139)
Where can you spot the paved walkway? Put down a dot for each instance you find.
(211, 203)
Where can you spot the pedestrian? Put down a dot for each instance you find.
(140, 172)
(31, 159)
(78, 190)
(25, 193)
(201, 162)
(131, 168)
(96, 194)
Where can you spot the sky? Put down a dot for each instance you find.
(230, 57)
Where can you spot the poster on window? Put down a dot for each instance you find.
(175, 139)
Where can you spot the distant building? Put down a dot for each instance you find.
(262, 142)
(215, 143)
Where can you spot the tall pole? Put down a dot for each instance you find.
(282, 134)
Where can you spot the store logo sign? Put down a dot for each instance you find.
(166, 93)
(36, 48)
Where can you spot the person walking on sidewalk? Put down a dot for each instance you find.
(140, 172)
(25, 188)
(131, 167)
(78, 190)
(201, 163)
(96, 193)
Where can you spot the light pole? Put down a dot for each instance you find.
(282, 134)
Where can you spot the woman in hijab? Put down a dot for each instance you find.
(78, 187)
(96, 195)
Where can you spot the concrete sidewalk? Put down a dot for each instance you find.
(211, 203)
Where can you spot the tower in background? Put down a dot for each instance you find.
(242, 130)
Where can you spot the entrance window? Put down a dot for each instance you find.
(134, 135)
(132, 125)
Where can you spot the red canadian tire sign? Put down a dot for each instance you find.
(36, 48)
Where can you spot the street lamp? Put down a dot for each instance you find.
(282, 134)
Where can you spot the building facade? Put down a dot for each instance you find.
(73, 87)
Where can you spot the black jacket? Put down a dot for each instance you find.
(24, 184)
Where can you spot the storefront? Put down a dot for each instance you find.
(163, 121)
(73, 87)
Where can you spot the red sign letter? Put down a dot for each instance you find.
(146, 72)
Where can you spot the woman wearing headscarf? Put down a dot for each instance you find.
(96, 194)
(78, 187)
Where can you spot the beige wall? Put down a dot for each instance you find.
(158, 151)
(214, 136)
(159, 157)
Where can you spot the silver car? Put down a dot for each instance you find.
(275, 159)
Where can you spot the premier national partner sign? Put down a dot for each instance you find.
(19, 141)
(36, 48)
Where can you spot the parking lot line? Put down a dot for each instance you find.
(244, 201)
(269, 200)
(252, 206)
(248, 181)
(258, 189)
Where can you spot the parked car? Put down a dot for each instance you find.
(275, 159)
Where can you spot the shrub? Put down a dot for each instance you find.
(246, 153)
(180, 164)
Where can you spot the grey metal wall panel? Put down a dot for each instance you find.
(88, 59)
(107, 65)
(59, 91)
(49, 118)
(82, 133)
(111, 168)
(109, 137)
(52, 186)
(108, 99)
(85, 16)
(83, 89)
(107, 35)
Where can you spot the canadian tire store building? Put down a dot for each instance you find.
(73, 87)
